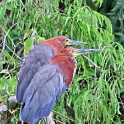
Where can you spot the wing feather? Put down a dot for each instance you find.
(34, 60)
(45, 88)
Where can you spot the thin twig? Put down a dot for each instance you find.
(91, 62)
(14, 53)
(64, 116)
(95, 74)
(23, 5)
(58, 121)
(4, 40)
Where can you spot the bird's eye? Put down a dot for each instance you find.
(66, 40)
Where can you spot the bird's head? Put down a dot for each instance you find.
(67, 42)
(67, 63)
(58, 43)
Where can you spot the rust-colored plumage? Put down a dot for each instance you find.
(67, 63)
(57, 43)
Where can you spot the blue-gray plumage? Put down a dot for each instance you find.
(43, 91)
(34, 60)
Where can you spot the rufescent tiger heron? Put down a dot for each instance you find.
(47, 85)
(37, 57)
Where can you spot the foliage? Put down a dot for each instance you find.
(93, 96)
(116, 17)
(114, 10)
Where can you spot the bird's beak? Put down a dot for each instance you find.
(74, 42)
(84, 51)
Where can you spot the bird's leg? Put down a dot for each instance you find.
(49, 120)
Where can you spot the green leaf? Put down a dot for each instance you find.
(2, 11)
(10, 58)
(2, 82)
(8, 85)
(40, 39)
(9, 6)
(8, 1)
(2, 62)
(28, 33)
(28, 44)
(12, 82)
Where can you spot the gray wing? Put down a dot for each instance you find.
(45, 88)
(37, 57)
